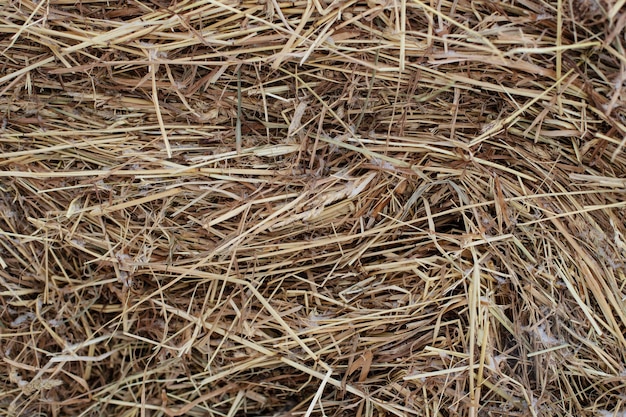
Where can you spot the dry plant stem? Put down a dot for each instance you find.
(313, 208)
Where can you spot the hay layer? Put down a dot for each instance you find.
(381, 208)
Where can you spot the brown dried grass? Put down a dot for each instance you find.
(265, 208)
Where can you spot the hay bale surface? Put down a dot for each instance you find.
(313, 208)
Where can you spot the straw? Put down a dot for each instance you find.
(359, 208)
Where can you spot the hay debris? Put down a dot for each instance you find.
(265, 208)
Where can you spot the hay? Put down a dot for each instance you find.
(381, 208)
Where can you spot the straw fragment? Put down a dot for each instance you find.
(368, 208)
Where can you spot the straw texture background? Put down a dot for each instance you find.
(313, 208)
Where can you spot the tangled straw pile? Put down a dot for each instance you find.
(256, 208)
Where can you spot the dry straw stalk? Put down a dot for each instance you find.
(313, 208)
